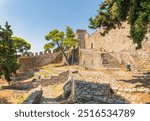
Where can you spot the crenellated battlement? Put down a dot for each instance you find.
(37, 54)
(35, 60)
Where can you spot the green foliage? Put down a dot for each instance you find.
(139, 20)
(56, 37)
(69, 32)
(21, 98)
(49, 46)
(8, 51)
(61, 41)
(112, 13)
(56, 50)
(20, 44)
(70, 40)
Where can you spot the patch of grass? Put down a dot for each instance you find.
(21, 98)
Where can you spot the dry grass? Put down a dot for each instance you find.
(12, 97)
(57, 90)
(119, 74)
(53, 91)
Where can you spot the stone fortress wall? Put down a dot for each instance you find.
(112, 51)
(36, 60)
(116, 47)
(117, 40)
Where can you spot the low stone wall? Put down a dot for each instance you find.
(61, 78)
(34, 97)
(85, 91)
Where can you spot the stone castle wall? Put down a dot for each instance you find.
(82, 35)
(117, 40)
(96, 59)
(35, 60)
(38, 60)
(119, 45)
(90, 59)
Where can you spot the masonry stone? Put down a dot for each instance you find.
(113, 50)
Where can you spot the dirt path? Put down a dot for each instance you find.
(51, 93)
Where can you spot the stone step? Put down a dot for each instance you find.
(109, 59)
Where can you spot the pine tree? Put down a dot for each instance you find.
(70, 41)
(61, 41)
(8, 52)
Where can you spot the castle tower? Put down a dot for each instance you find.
(82, 35)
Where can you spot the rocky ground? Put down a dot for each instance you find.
(52, 93)
(17, 91)
(10, 96)
(134, 86)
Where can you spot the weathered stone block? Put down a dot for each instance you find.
(98, 98)
(98, 93)
(94, 86)
(89, 97)
(105, 99)
(111, 101)
(84, 93)
(119, 101)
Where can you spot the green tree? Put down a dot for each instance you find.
(70, 41)
(61, 41)
(49, 46)
(112, 13)
(8, 52)
(20, 45)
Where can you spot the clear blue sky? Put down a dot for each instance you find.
(32, 19)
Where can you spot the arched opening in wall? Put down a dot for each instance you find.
(91, 45)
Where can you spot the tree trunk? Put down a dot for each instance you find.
(73, 55)
(7, 75)
(9, 83)
(8, 80)
(61, 49)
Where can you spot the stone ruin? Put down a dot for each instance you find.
(36, 60)
(114, 50)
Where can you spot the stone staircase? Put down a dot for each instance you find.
(133, 60)
(147, 63)
(109, 61)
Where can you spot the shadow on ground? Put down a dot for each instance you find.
(22, 76)
(140, 81)
(67, 98)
